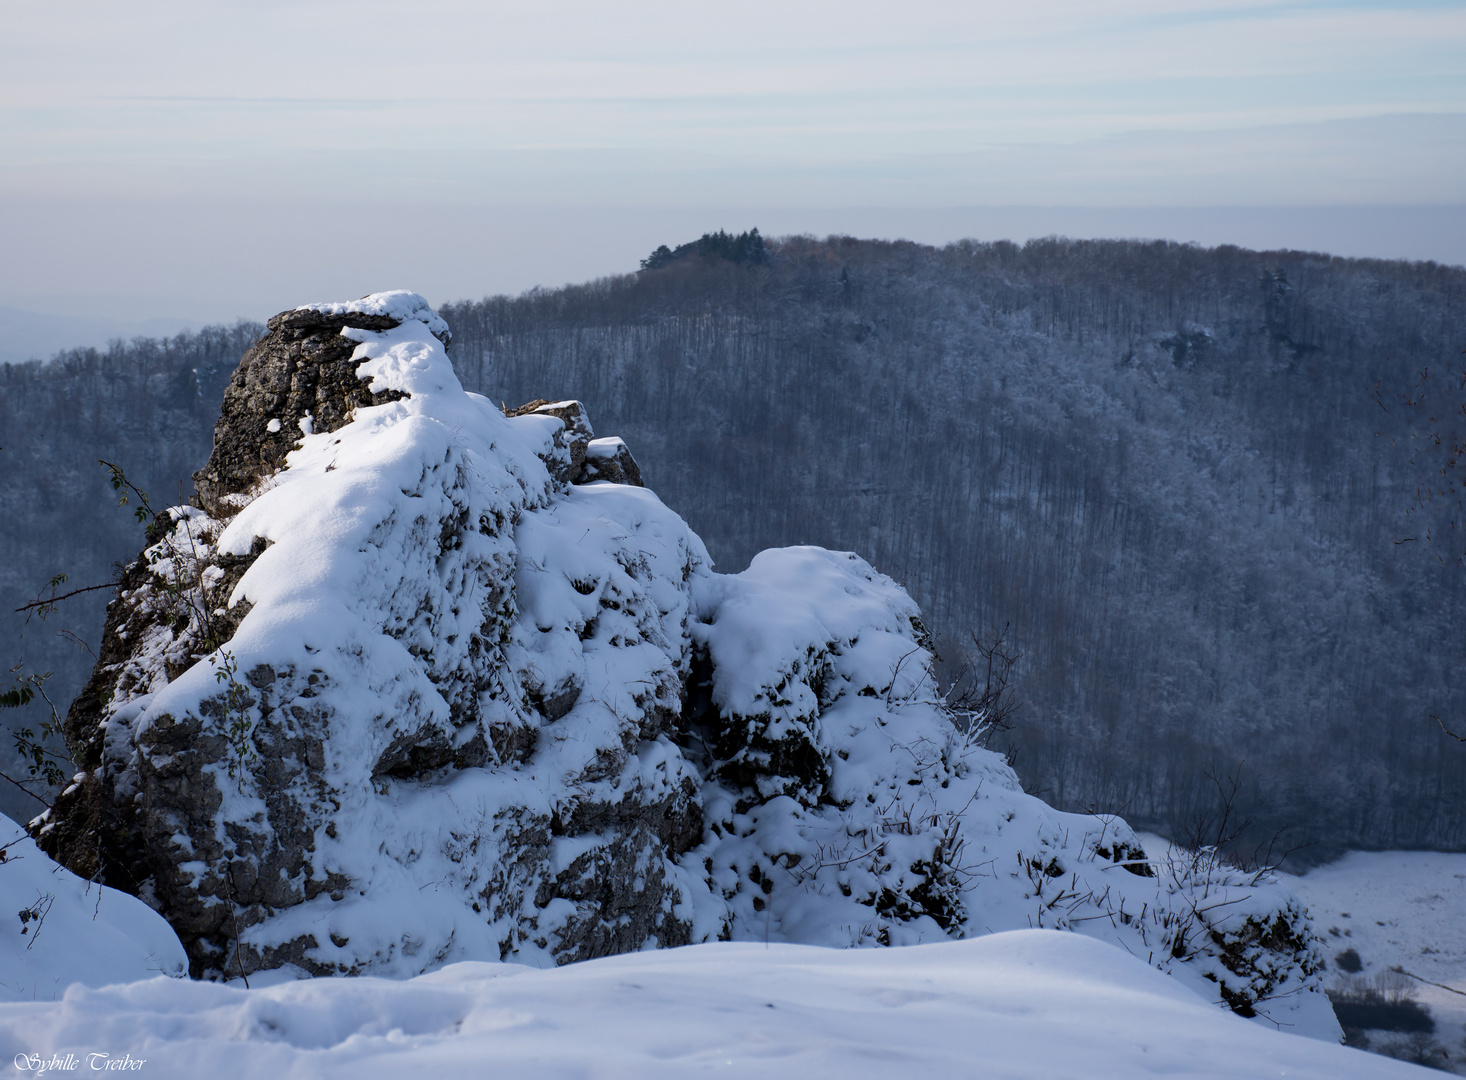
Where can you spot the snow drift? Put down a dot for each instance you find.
(1027, 1005)
(418, 681)
(59, 930)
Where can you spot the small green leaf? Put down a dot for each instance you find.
(14, 699)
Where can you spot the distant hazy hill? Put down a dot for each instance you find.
(1157, 463)
(27, 335)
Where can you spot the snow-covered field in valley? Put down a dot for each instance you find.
(1397, 909)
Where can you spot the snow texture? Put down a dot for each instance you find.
(472, 711)
(397, 304)
(58, 930)
(1027, 1005)
(1397, 909)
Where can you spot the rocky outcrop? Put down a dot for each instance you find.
(417, 680)
(300, 379)
(219, 806)
(571, 437)
(579, 457)
(611, 460)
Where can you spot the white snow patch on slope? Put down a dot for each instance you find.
(1027, 1005)
(604, 448)
(78, 932)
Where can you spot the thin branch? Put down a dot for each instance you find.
(10, 779)
(77, 640)
(48, 601)
(234, 918)
(1439, 986)
(120, 481)
(1448, 731)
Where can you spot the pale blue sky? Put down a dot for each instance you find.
(663, 107)
(919, 102)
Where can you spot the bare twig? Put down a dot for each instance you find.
(1417, 978)
(36, 913)
(77, 640)
(1448, 731)
(234, 919)
(21, 784)
(48, 601)
(984, 704)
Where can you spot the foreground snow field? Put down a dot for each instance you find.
(70, 930)
(1025, 1004)
(1030, 1004)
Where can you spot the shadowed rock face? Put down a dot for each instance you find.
(610, 460)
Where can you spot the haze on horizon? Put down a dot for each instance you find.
(204, 161)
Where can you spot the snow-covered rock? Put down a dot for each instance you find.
(57, 930)
(414, 684)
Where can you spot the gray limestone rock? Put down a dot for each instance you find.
(570, 441)
(611, 460)
(300, 373)
(154, 811)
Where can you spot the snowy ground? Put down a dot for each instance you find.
(1402, 909)
(1027, 1005)
(56, 929)
(1395, 909)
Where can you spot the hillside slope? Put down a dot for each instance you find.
(1160, 465)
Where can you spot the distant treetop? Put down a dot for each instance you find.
(745, 247)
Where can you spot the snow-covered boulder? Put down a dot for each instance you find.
(415, 682)
(57, 929)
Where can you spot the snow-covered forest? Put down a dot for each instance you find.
(1160, 467)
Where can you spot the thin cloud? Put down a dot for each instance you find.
(163, 93)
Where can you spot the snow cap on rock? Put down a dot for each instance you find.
(399, 304)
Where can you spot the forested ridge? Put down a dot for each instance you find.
(1160, 466)
(147, 405)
